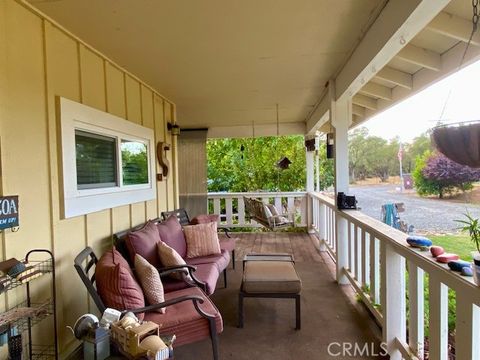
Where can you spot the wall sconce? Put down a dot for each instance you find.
(173, 128)
(330, 144)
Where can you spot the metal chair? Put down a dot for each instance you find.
(85, 262)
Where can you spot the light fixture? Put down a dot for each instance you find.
(330, 144)
(173, 128)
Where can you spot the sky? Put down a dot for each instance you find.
(420, 112)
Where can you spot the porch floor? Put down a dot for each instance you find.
(330, 314)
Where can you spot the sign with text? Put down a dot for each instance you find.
(8, 212)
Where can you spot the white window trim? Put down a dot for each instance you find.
(75, 116)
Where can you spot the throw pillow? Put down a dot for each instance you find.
(116, 284)
(202, 240)
(273, 209)
(169, 257)
(150, 280)
(202, 219)
(144, 242)
(268, 213)
(171, 233)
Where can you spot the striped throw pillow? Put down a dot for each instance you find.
(202, 239)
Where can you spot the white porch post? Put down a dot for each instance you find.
(341, 118)
(310, 185)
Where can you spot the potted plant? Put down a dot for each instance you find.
(473, 227)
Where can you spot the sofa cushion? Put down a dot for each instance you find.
(202, 239)
(144, 242)
(171, 233)
(169, 257)
(170, 284)
(116, 284)
(204, 218)
(208, 274)
(149, 278)
(221, 260)
(183, 320)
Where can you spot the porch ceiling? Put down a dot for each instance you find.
(225, 63)
(433, 54)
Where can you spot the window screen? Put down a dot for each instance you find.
(96, 160)
(134, 162)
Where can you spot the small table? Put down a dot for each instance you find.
(270, 276)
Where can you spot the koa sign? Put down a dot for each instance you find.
(8, 212)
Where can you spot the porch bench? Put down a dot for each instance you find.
(270, 276)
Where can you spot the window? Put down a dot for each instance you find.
(107, 161)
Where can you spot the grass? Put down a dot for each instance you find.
(459, 244)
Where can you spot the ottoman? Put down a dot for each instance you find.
(270, 276)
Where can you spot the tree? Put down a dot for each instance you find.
(436, 174)
(448, 173)
(250, 164)
(417, 148)
(326, 168)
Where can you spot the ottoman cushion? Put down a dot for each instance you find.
(271, 277)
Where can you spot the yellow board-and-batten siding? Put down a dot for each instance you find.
(39, 61)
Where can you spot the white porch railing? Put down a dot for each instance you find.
(231, 206)
(372, 257)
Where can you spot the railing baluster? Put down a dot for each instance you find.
(228, 210)
(467, 336)
(358, 260)
(241, 211)
(416, 306)
(278, 203)
(393, 302)
(216, 206)
(322, 224)
(290, 204)
(349, 242)
(365, 260)
(374, 270)
(438, 347)
(352, 248)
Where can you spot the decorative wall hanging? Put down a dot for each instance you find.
(162, 149)
(9, 212)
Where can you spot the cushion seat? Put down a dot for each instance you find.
(208, 273)
(263, 277)
(220, 260)
(183, 320)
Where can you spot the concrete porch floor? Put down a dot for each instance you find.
(332, 320)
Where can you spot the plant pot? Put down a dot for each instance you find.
(476, 267)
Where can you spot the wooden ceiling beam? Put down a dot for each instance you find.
(420, 56)
(454, 27)
(377, 91)
(395, 77)
(365, 101)
(358, 110)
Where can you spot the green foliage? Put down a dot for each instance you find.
(326, 169)
(243, 165)
(425, 186)
(472, 226)
(371, 156)
(418, 147)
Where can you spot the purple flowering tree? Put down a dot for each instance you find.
(448, 175)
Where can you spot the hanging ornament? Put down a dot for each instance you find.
(283, 163)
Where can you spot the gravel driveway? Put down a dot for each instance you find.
(425, 214)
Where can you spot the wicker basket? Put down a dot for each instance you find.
(129, 340)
